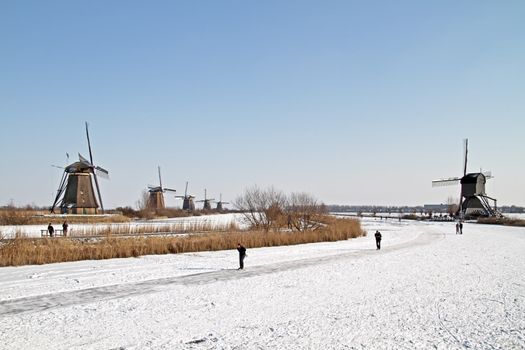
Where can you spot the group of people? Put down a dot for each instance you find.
(51, 229)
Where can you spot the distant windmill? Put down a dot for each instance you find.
(220, 204)
(187, 200)
(473, 199)
(207, 201)
(75, 194)
(156, 195)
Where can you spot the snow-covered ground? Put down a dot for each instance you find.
(427, 288)
(218, 221)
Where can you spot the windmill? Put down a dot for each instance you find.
(156, 195)
(473, 199)
(207, 201)
(220, 204)
(187, 200)
(75, 194)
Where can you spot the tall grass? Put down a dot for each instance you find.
(11, 216)
(151, 228)
(506, 221)
(43, 251)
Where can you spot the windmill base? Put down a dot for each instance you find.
(478, 205)
(79, 211)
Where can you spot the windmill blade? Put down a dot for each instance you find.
(446, 182)
(488, 174)
(57, 166)
(84, 161)
(465, 151)
(160, 178)
(186, 190)
(98, 192)
(103, 173)
(169, 190)
(60, 190)
(89, 144)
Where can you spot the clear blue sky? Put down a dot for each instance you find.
(355, 102)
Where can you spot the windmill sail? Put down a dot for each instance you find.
(446, 182)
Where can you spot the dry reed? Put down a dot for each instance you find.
(43, 251)
(506, 221)
(34, 217)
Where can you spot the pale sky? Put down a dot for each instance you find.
(354, 102)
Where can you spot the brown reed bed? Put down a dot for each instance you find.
(20, 251)
(505, 221)
(34, 217)
(150, 228)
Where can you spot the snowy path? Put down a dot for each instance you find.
(84, 296)
(428, 288)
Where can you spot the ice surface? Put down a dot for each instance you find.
(427, 288)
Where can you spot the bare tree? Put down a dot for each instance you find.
(452, 206)
(271, 209)
(142, 202)
(303, 211)
(262, 209)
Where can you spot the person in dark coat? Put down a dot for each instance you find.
(378, 239)
(51, 230)
(460, 228)
(64, 228)
(242, 255)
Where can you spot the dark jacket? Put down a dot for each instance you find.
(378, 236)
(241, 250)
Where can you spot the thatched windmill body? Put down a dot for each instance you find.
(473, 198)
(187, 200)
(75, 194)
(156, 195)
(206, 201)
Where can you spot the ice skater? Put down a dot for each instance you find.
(457, 228)
(378, 240)
(460, 228)
(242, 255)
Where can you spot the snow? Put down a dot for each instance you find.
(218, 221)
(426, 288)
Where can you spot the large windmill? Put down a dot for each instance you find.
(220, 203)
(473, 199)
(75, 194)
(207, 201)
(187, 200)
(156, 195)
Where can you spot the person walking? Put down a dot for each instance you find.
(242, 255)
(457, 228)
(378, 240)
(64, 228)
(50, 230)
(460, 228)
